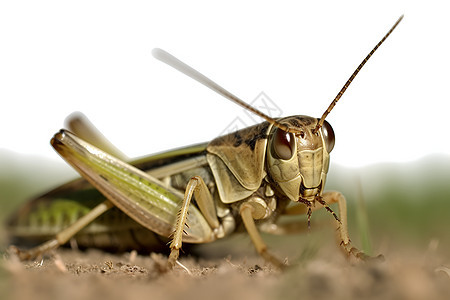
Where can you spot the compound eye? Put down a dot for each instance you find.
(328, 136)
(283, 145)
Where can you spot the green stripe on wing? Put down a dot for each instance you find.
(142, 197)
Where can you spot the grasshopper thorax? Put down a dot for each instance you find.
(297, 161)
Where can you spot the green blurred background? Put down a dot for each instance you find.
(402, 205)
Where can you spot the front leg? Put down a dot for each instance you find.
(251, 210)
(343, 238)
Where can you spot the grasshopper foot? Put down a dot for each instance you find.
(35, 252)
(23, 255)
(273, 260)
(349, 250)
(171, 262)
(173, 258)
(364, 257)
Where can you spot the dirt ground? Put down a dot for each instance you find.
(317, 273)
(408, 225)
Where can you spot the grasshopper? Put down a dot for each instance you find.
(244, 180)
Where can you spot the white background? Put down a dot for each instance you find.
(57, 57)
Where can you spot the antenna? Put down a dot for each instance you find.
(344, 88)
(194, 74)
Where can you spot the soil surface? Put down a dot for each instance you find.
(323, 274)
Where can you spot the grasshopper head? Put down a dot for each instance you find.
(298, 160)
(299, 146)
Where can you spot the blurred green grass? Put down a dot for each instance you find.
(406, 204)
